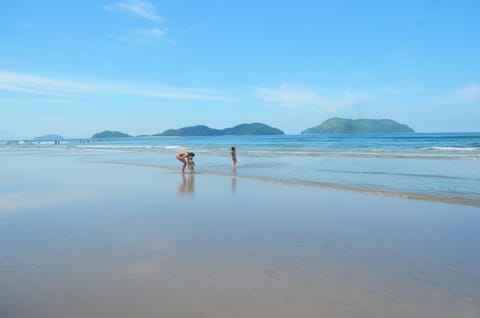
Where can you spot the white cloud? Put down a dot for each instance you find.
(141, 8)
(142, 36)
(151, 33)
(292, 96)
(468, 94)
(31, 84)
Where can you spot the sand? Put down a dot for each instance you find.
(88, 239)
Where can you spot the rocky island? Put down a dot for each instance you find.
(242, 129)
(358, 126)
(110, 134)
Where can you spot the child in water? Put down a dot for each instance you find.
(234, 156)
(191, 163)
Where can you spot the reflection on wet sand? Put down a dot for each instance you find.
(234, 180)
(13, 202)
(187, 186)
(130, 249)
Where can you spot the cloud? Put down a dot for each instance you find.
(31, 84)
(469, 94)
(141, 8)
(150, 33)
(145, 36)
(291, 96)
(25, 83)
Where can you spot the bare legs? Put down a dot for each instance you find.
(184, 163)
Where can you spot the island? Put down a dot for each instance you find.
(358, 126)
(51, 137)
(110, 134)
(242, 129)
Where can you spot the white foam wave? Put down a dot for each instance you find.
(114, 146)
(469, 149)
(52, 142)
(174, 147)
(365, 154)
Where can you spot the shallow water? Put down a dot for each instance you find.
(444, 167)
(86, 239)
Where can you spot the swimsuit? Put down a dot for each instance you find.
(191, 164)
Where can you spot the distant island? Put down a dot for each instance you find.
(242, 129)
(358, 126)
(51, 137)
(110, 134)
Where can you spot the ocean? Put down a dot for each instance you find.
(428, 166)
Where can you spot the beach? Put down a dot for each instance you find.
(82, 235)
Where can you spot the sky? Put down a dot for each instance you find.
(142, 66)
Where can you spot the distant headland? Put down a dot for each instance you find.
(358, 126)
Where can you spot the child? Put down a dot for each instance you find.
(191, 163)
(234, 156)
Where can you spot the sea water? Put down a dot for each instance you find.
(439, 166)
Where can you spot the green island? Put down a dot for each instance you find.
(242, 129)
(110, 134)
(358, 126)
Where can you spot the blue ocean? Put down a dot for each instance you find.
(430, 166)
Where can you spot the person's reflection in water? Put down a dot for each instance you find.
(187, 186)
(234, 180)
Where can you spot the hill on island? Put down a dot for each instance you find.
(110, 134)
(358, 126)
(242, 129)
(50, 137)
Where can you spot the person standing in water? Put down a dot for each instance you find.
(183, 156)
(234, 156)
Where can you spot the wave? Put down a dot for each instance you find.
(174, 147)
(365, 154)
(463, 149)
(415, 175)
(254, 149)
(52, 142)
(114, 146)
(470, 154)
(129, 147)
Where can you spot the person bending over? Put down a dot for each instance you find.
(186, 158)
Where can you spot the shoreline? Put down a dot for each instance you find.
(449, 181)
(322, 185)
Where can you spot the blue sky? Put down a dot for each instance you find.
(79, 67)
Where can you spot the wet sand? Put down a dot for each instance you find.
(84, 239)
